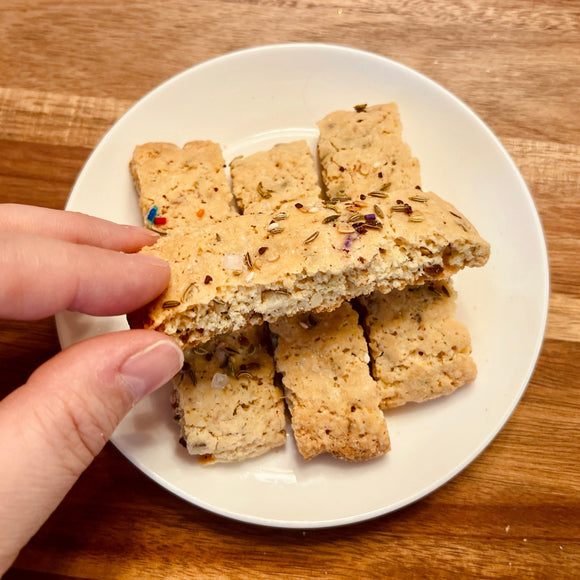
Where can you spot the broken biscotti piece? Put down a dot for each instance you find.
(181, 187)
(225, 399)
(332, 398)
(363, 150)
(269, 180)
(253, 268)
(419, 351)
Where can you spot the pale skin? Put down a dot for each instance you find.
(52, 427)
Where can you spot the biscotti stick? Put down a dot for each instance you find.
(323, 359)
(181, 187)
(363, 151)
(225, 399)
(312, 258)
(308, 261)
(333, 400)
(269, 180)
(419, 350)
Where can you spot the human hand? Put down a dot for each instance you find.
(52, 427)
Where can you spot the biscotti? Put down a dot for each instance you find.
(181, 188)
(332, 398)
(225, 399)
(369, 233)
(380, 232)
(323, 359)
(363, 150)
(419, 350)
(249, 269)
(269, 180)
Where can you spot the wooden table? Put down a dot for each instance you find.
(69, 69)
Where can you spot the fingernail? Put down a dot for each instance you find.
(149, 233)
(152, 367)
(139, 229)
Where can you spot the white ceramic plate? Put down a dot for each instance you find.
(252, 99)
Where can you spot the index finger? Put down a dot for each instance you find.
(42, 276)
(73, 227)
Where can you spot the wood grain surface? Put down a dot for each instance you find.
(69, 69)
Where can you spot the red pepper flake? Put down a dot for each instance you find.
(160, 221)
(200, 212)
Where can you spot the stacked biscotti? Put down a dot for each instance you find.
(293, 257)
(225, 400)
(322, 358)
(418, 349)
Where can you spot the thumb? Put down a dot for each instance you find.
(52, 427)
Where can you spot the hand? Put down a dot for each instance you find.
(52, 427)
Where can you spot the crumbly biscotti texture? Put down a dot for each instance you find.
(187, 186)
(220, 421)
(419, 350)
(351, 425)
(225, 399)
(253, 268)
(363, 151)
(332, 398)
